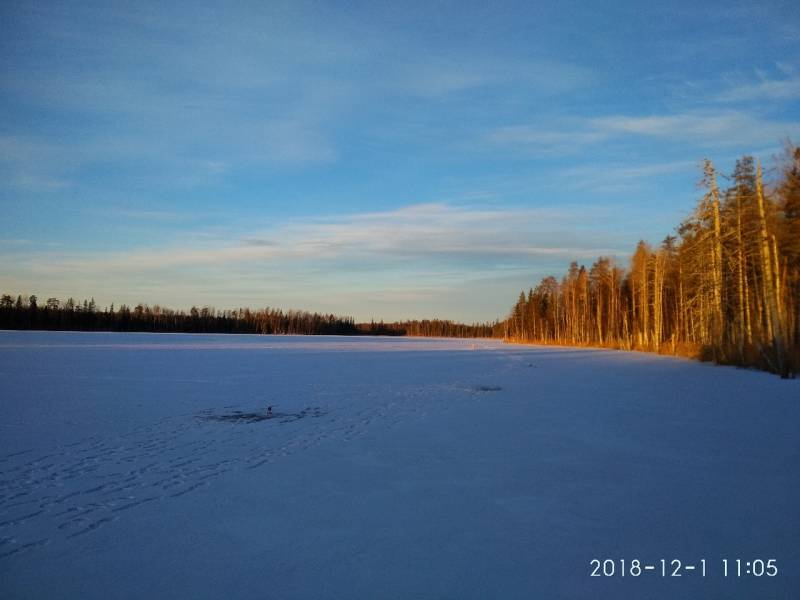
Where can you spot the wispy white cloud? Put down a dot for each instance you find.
(620, 177)
(726, 128)
(540, 139)
(439, 77)
(423, 250)
(434, 231)
(764, 90)
(770, 87)
(700, 128)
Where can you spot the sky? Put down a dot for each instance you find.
(385, 160)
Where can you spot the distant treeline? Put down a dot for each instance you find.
(57, 315)
(725, 288)
(434, 328)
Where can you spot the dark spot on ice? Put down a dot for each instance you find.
(487, 388)
(238, 416)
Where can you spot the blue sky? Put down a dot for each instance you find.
(384, 160)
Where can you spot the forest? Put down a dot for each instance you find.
(724, 288)
(27, 313)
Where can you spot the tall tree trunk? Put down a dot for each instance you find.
(742, 333)
(716, 257)
(770, 297)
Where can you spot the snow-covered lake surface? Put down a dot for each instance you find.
(138, 466)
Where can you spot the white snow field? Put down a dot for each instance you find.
(138, 466)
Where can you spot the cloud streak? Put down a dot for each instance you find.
(421, 232)
(419, 250)
(700, 128)
(764, 90)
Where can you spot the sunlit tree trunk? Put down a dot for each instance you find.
(716, 255)
(768, 290)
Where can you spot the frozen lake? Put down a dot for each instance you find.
(138, 466)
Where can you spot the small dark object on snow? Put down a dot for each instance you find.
(238, 416)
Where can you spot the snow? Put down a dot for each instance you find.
(136, 466)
